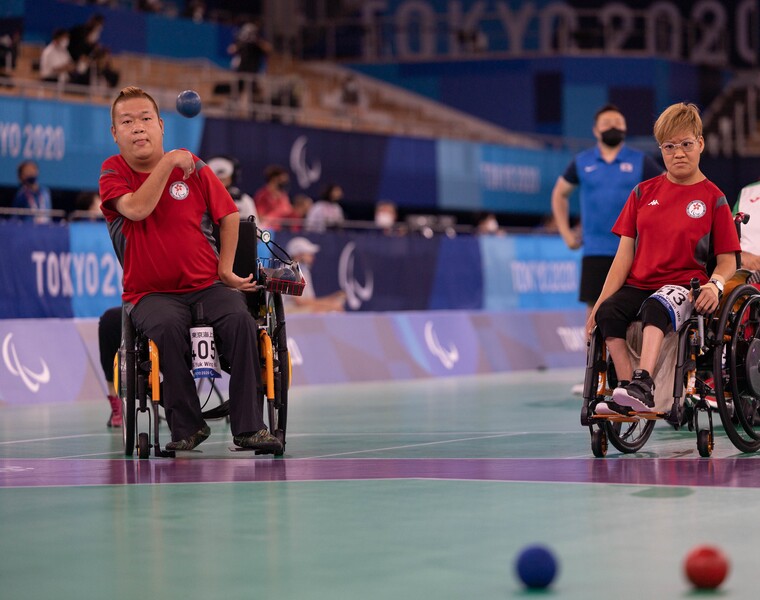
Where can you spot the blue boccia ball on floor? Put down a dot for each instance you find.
(188, 103)
(536, 567)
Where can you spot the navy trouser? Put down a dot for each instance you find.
(166, 319)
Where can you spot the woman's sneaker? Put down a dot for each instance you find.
(610, 407)
(638, 395)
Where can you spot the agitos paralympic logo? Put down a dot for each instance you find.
(32, 380)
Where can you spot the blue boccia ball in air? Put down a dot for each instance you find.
(536, 567)
(188, 103)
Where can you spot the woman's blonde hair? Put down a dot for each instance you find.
(677, 118)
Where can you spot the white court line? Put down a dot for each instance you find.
(86, 455)
(407, 446)
(62, 437)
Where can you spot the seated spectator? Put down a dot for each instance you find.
(104, 68)
(303, 251)
(227, 170)
(56, 63)
(327, 211)
(385, 218)
(272, 202)
(302, 204)
(31, 194)
(87, 206)
(488, 224)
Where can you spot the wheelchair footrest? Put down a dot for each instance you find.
(631, 417)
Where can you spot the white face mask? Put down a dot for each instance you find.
(384, 219)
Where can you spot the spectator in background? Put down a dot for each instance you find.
(385, 218)
(56, 63)
(226, 168)
(249, 54)
(272, 202)
(303, 251)
(87, 206)
(487, 224)
(150, 6)
(31, 194)
(84, 38)
(104, 69)
(8, 53)
(327, 211)
(302, 204)
(195, 10)
(605, 176)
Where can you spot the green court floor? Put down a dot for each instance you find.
(422, 489)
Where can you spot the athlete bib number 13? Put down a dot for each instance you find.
(675, 299)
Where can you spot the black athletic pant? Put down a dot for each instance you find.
(166, 319)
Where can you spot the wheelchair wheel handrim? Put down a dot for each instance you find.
(752, 367)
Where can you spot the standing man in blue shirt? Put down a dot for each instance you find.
(605, 174)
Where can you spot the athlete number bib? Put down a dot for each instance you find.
(675, 299)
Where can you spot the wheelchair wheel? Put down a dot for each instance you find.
(629, 437)
(143, 445)
(124, 382)
(738, 388)
(705, 442)
(278, 334)
(626, 436)
(599, 442)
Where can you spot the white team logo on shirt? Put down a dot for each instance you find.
(179, 190)
(696, 209)
(626, 167)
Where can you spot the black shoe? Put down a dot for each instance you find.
(191, 442)
(261, 440)
(638, 395)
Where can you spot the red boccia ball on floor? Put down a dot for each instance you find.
(706, 567)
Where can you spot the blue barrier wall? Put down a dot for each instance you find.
(70, 141)
(325, 349)
(63, 270)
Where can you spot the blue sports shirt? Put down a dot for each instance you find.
(604, 188)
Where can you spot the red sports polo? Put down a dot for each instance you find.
(673, 226)
(173, 249)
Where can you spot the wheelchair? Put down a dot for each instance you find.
(717, 356)
(137, 363)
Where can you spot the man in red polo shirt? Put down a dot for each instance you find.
(160, 208)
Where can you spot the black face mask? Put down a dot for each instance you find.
(283, 186)
(613, 137)
(30, 180)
